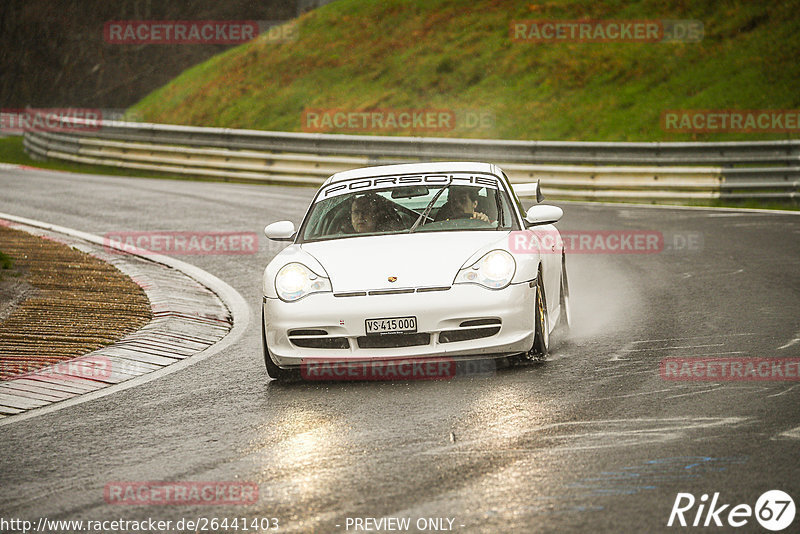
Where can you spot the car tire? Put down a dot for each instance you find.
(541, 342)
(541, 338)
(273, 371)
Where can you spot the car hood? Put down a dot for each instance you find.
(416, 260)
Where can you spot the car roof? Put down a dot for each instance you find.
(415, 168)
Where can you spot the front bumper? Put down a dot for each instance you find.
(502, 320)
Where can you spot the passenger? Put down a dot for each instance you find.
(461, 204)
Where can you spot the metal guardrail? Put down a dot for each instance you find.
(7, 119)
(574, 170)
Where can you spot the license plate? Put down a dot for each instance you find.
(391, 325)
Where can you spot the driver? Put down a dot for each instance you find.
(461, 203)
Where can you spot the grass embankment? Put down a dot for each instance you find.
(444, 54)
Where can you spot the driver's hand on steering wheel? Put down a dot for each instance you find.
(480, 216)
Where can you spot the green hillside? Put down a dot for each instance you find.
(445, 55)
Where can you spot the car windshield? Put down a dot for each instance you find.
(445, 203)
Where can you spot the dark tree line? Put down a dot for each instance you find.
(53, 53)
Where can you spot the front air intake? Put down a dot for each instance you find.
(471, 329)
(316, 338)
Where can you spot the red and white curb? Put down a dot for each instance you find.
(15, 167)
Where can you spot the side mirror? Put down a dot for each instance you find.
(543, 214)
(280, 231)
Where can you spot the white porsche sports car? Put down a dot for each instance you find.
(423, 260)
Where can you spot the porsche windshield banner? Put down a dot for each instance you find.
(372, 183)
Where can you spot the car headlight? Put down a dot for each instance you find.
(494, 270)
(294, 281)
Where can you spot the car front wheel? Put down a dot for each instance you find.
(273, 371)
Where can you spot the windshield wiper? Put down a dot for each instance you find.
(429, 207)
(500, 221)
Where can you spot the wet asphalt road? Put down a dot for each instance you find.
(593, 439)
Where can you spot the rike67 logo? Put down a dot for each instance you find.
(774, 510)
